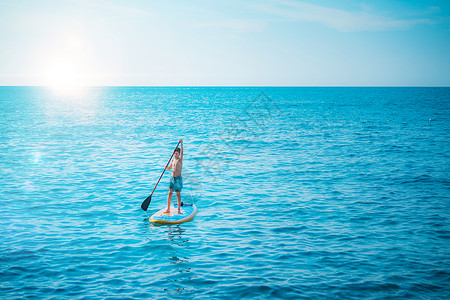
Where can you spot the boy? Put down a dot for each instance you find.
(176, 182)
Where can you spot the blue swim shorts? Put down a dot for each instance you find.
(176, 183)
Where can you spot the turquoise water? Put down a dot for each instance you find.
(301, 193)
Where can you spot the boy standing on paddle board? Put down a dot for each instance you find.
(176, 182)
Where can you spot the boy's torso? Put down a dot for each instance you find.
(176, 167)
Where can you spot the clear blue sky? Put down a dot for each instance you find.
(267, 42)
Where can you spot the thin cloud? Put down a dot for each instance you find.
(339, 19)
(239, 25)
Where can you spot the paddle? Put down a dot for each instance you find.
(146, 202)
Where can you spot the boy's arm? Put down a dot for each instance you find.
(169, 167)
(181, 149)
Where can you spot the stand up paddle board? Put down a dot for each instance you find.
(188, 212)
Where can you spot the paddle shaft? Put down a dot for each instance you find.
(164, 169)
(146, 202)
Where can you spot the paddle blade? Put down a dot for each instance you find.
(146, 203)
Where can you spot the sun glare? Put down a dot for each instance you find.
(65, 78)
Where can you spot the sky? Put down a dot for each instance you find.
(225, 43)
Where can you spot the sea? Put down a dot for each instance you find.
(302, 193)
